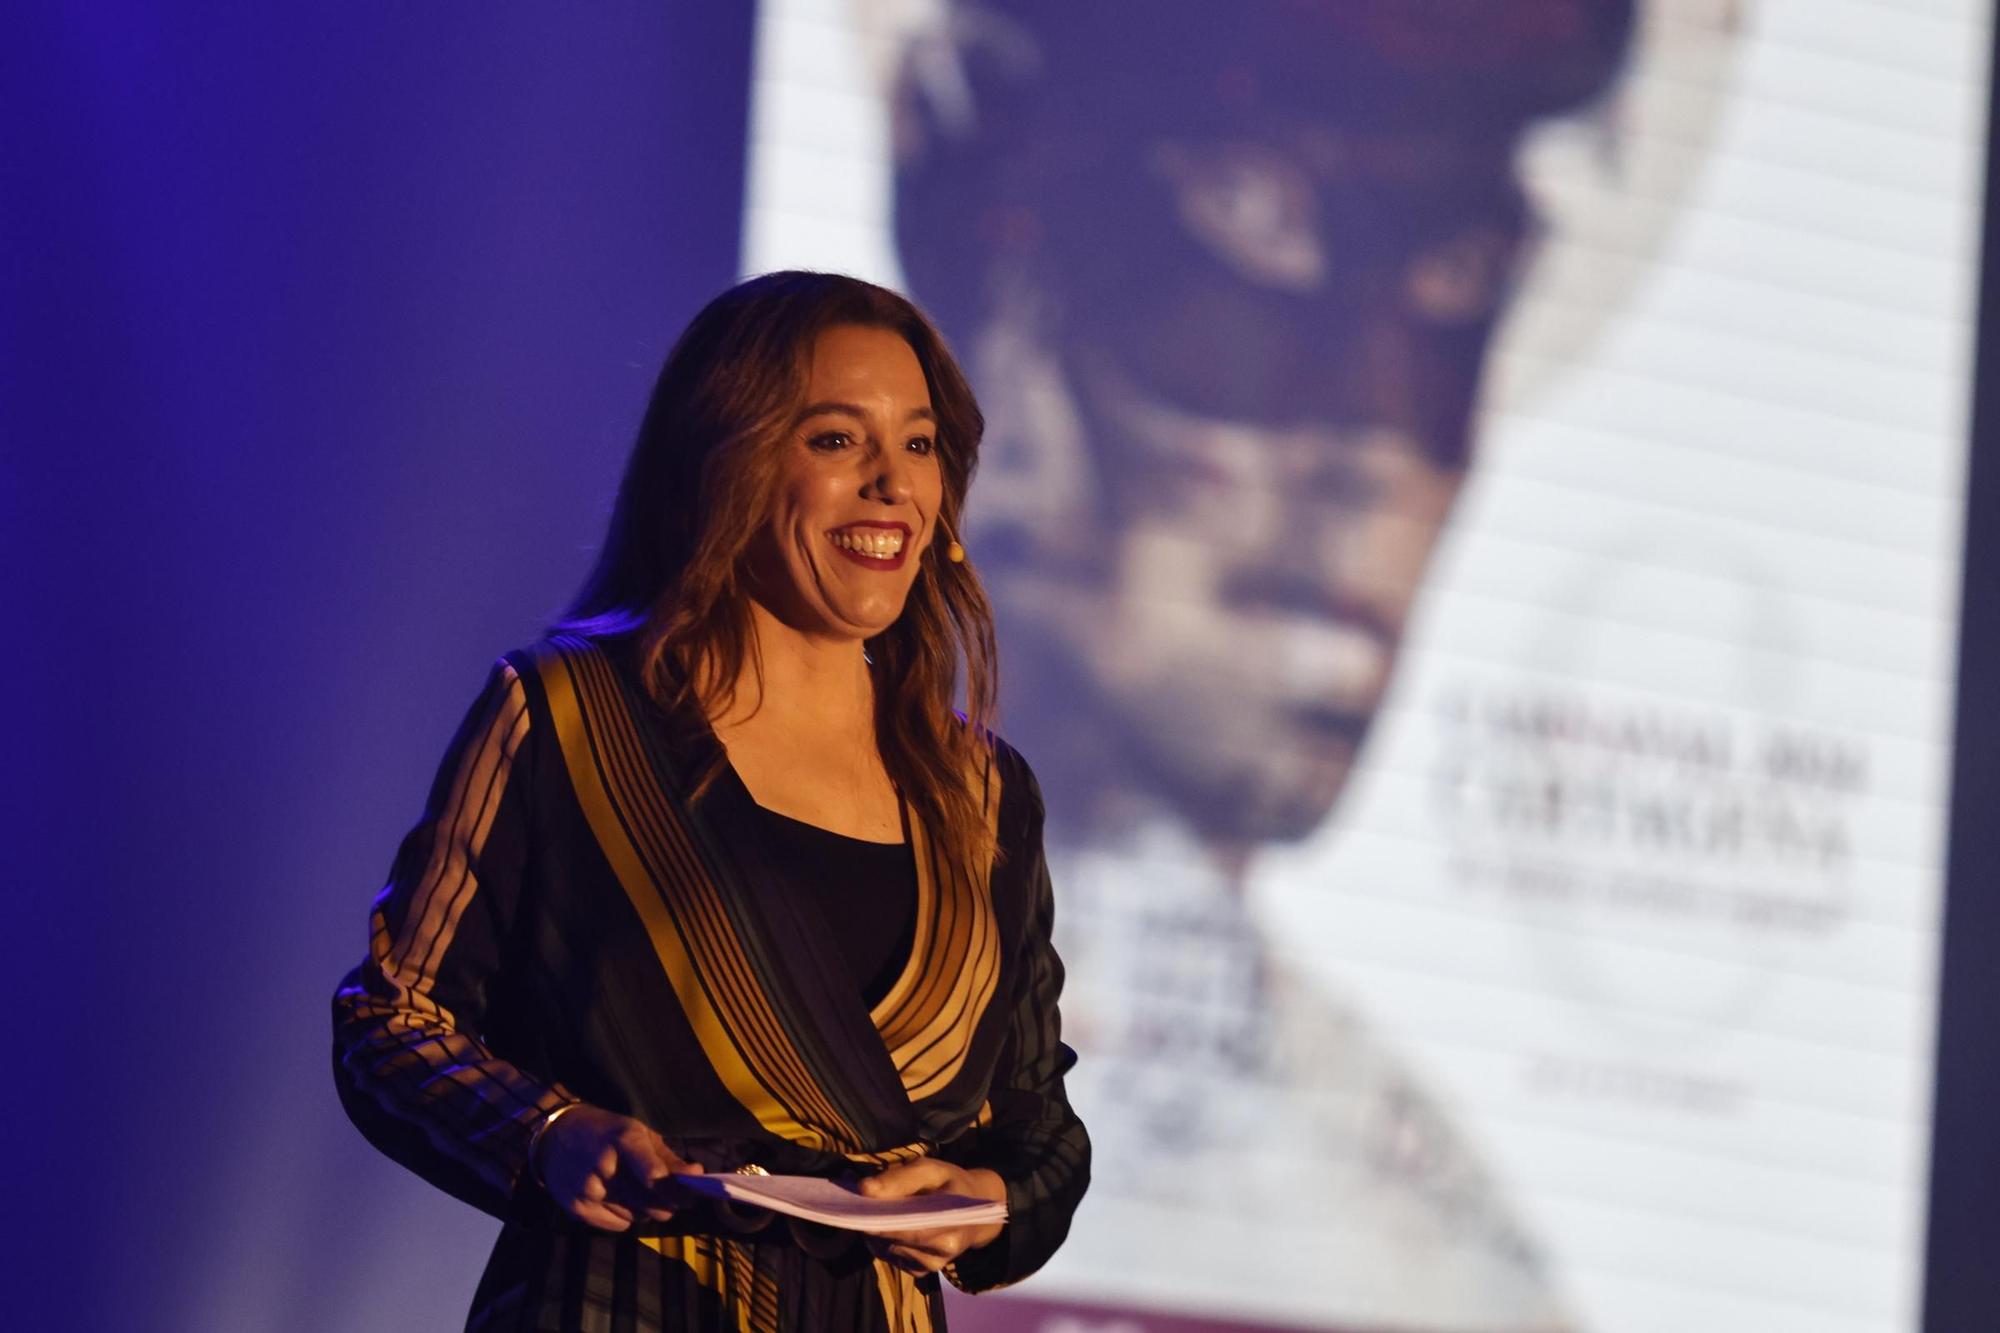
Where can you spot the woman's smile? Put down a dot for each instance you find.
(872, 544)
(857, 490)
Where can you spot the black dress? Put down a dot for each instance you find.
(566, 924)
(866, 892)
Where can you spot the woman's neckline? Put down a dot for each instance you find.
(820, 829)
(707, 734)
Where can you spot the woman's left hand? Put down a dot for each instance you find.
(930, 1250)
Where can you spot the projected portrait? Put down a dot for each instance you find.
(1226, 277)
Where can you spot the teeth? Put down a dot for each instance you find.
(882, 543)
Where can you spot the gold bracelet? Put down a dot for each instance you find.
(535, 1139)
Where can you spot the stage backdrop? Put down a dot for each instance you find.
(1474, 498)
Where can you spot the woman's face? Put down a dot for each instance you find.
(858, 489)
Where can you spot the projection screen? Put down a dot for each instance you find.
(1472, 499)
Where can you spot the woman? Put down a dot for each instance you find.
(713, 878)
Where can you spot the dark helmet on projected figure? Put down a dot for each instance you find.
(1225, 276)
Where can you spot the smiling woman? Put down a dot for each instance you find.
(864, 488)
(714, 878)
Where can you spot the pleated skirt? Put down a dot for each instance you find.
(594, 1282)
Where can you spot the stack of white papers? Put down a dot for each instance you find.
(836, 1205)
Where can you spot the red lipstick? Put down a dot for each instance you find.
(867, 561)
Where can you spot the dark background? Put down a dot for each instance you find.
(325, 331)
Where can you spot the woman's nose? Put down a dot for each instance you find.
(889, 478)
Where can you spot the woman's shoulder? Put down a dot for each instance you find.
(564, 672)
(607, 665)
(606, 678)
(1001, 762)
(1010, 761)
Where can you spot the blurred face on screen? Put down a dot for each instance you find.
(1233, 335)
(1250, 600)
(1273, 384)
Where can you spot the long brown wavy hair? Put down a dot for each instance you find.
(698, 488)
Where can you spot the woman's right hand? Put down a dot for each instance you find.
(605, 1169)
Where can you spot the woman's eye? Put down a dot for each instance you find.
(829, 441)
(921, 444)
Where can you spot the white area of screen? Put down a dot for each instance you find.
(1738, 497)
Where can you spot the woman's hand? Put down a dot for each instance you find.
(930, 1250)
(606, 1169)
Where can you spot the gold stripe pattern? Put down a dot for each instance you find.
(662, 874)
(405, 1047)
(728, 1268)
(926, 1020)
(928, 1016)
(907, 1310)
(409, 962)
